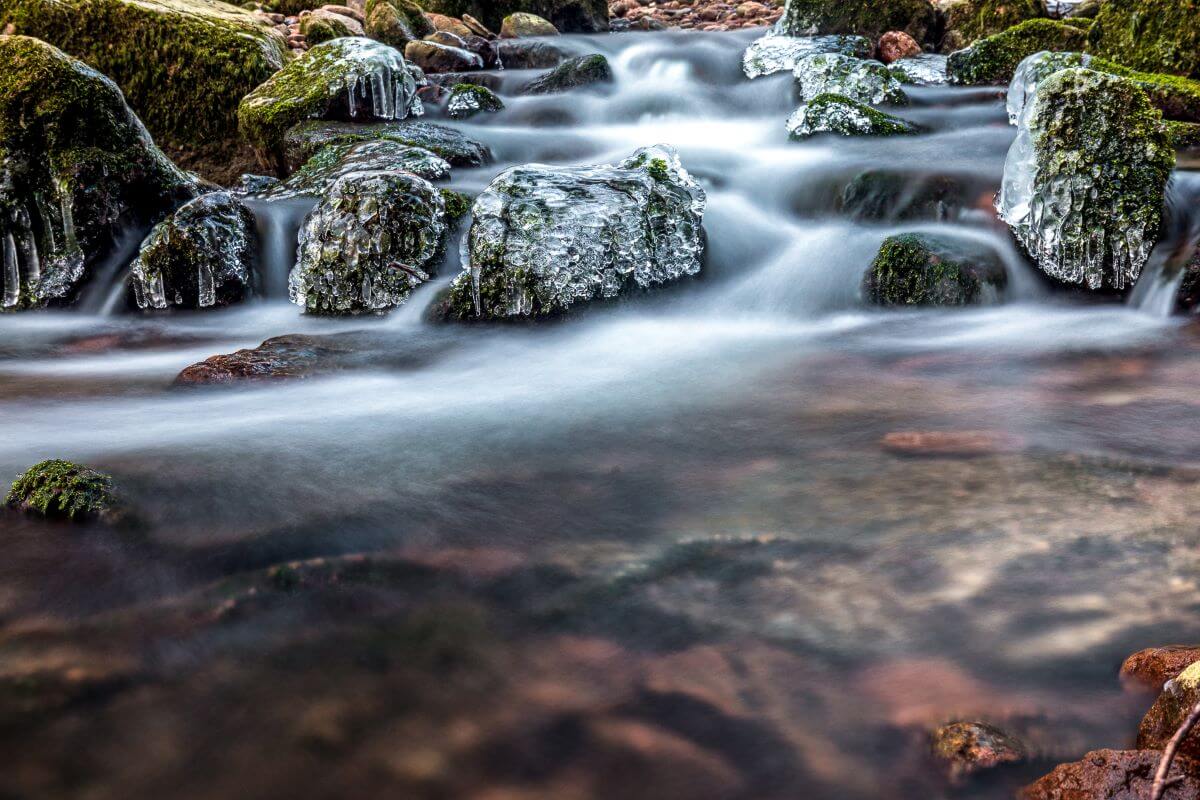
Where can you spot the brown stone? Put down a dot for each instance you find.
(1154, 666)
(283, 357)
(967, 747)
(894, 45)
(433, 57)
(477, 27)
(345, 11)
(443, 23)
(949, 443)
(1115, 775)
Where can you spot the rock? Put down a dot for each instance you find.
(526, 54)
(1176, 700)
(485, 49)
(443, 23)
(254, 184)
(772, 53)
(863, 81)
(467, 100)
(1087, 9)
(350, 78)
(396, 22)
(918, 269)
(345, 11)
(308, 138)
(1154, 666)
(926, 69)
(331, 162)
(1085, 179)
(448, 80)
(200, 256)
(968, 20)
(476, 27)
(1114, 775)
(833, 113)
(994, 59)
(77, 167)
(870, 18)
(522, 25)
(1151, 35)
(968, 747)
(282, 357)
(582, 71)
(321, 26)
(897, 44)
(545, 239)
(374, 237)
(62, 490)
(183, 64)
(879, 195)
(949, 444)
(433, 57)
(1183, 135)
(568, 16)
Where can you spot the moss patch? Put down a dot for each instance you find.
(915, 269)
(396, 22)
(994, 59)
(64, 490)
(870, 18)
(974, 19)
(1153, 35)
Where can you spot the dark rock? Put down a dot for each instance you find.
(63, 490)
(1114, 775)
(283, 357)
(967, 747)
(879, 195)
(307, 139)
(434, 57)
(582, 71)
(918, 269)
(526, 54)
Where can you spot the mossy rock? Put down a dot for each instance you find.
(321, 26)
(994, 59)
(1168, 712)
(582, 71)
(349, 78)
(870, 18)
(863, 80)
(568, 16)
(522, 24)
(917, 269)
(308, 138)
(969, 20)
(835, 114)
(1184, 135)
(1151, 35)
(182, 64)
(63, 490)
(396, 22)
(457, 204)
(467, 100)
(333, 161)
(76, 167)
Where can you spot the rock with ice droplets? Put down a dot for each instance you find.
(335, 160)
(858, 79)
(835, 114)
(926, 69)
(1085, 179)
(373, 238)
(1034, 69)
(467, 100)
(198, 257)
(547, 238)
(773, 53)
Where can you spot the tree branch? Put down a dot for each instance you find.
(1164, 765)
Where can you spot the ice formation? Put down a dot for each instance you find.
(375, 78)
(832, 113)
(335, 160)
(926, 69)
(774, 53)
(865, 81)
(1034, 69)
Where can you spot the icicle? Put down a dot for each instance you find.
(12, 273)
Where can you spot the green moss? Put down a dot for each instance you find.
(1177, 97)
(61, 489)
(974, 19)
(396, 22)
(993, 59)
(1151, 35)
(837, 114)
(915, 269)
(183, 64)
(319, 28)
(1184, 135)
(870, 18)
(468, 99)
(457, 204)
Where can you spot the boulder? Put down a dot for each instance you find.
(884, 195)
(529, 54)
(373, 238)
(773, 53)
(467, 100)
(918, 269)
(1085, 179)
(994, 59)
(968, 20)
(434, 57)
(78, 168)
(871, 18)
(1151, 35)
(864, 81)
(308, 138)
(183, 64)
(396, 22)
(1114, 775)
(546, 239)
(200, 256)
(1176, 700)
(486, 49)
(443, 23)
(62, 490)
(351, 78)
(1183, 135)
(321, 26)
(568, 16)
(315, 177)
(926, 69)
(1154, 666)
(897, 44)
(278, 358)
(582, 71)
(523, 25)
(968, 747)
(835, 114)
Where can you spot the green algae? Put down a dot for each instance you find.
(64, 490)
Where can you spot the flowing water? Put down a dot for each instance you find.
(656, 549)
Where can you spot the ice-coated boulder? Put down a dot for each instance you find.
(918, 269)
(1034, 69)
(833, 113)
(468, 99)
(858, 79)
(1085, 178)
(774, 53)
(926, 69)
(871, 18)
(373, 238)
(200, 256)
(547, 238)
(75, 166)
(351, 78)
(333, 161)
(307, 139)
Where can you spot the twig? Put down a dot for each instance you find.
(1164, 764)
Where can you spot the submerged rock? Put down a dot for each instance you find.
(467, 100)
(200, 256)
(833, 113)
(1176, 700)
(396, 22)
(1085, 179)
(1152, 35)
(878, 195)
(333, 161)
(545, 239)
(529, 54)
(522, 24)
(582, 71)
(62, 490)
(282, 357)
(994, 59)
(1154, 666)
(307, 139)
(773, 53)
(968, 20)
(350, 78)
(1115, 775)
(863, 81)
(870, 18)
(374, 237)
(926, 69)
(77, 166)
(968, 747)
(918, 269)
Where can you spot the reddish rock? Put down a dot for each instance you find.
(1115, 775)
(344, 11)
(967, 747)
(949, 443)
(443, 23)
(897, 44)
(477, 27)
(1154, 666)
(282, 357)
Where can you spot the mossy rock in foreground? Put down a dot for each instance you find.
(1152, 35)
(994, 59)
(918, 269)
(183, 64)
(63, 490)
(871, 18)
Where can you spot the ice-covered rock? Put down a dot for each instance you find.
(351, 78)
(1031, 71)
(871, 18)
(372, 239)
(200, 256)
(774, 53)
(858, 79)
(833, 113)
(547, 238)
(1085, 178)
(468, 99)
(335, 160)
(926, 69)
(308, 138)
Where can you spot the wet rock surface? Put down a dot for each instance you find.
(863, 81)
(968, 747)
(279, 358)
(774, 53)
(307, 139)
(1154, 666)
(572, 74)
(842, 116)
(317, 175)
(1114, 775)
(929, 270)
